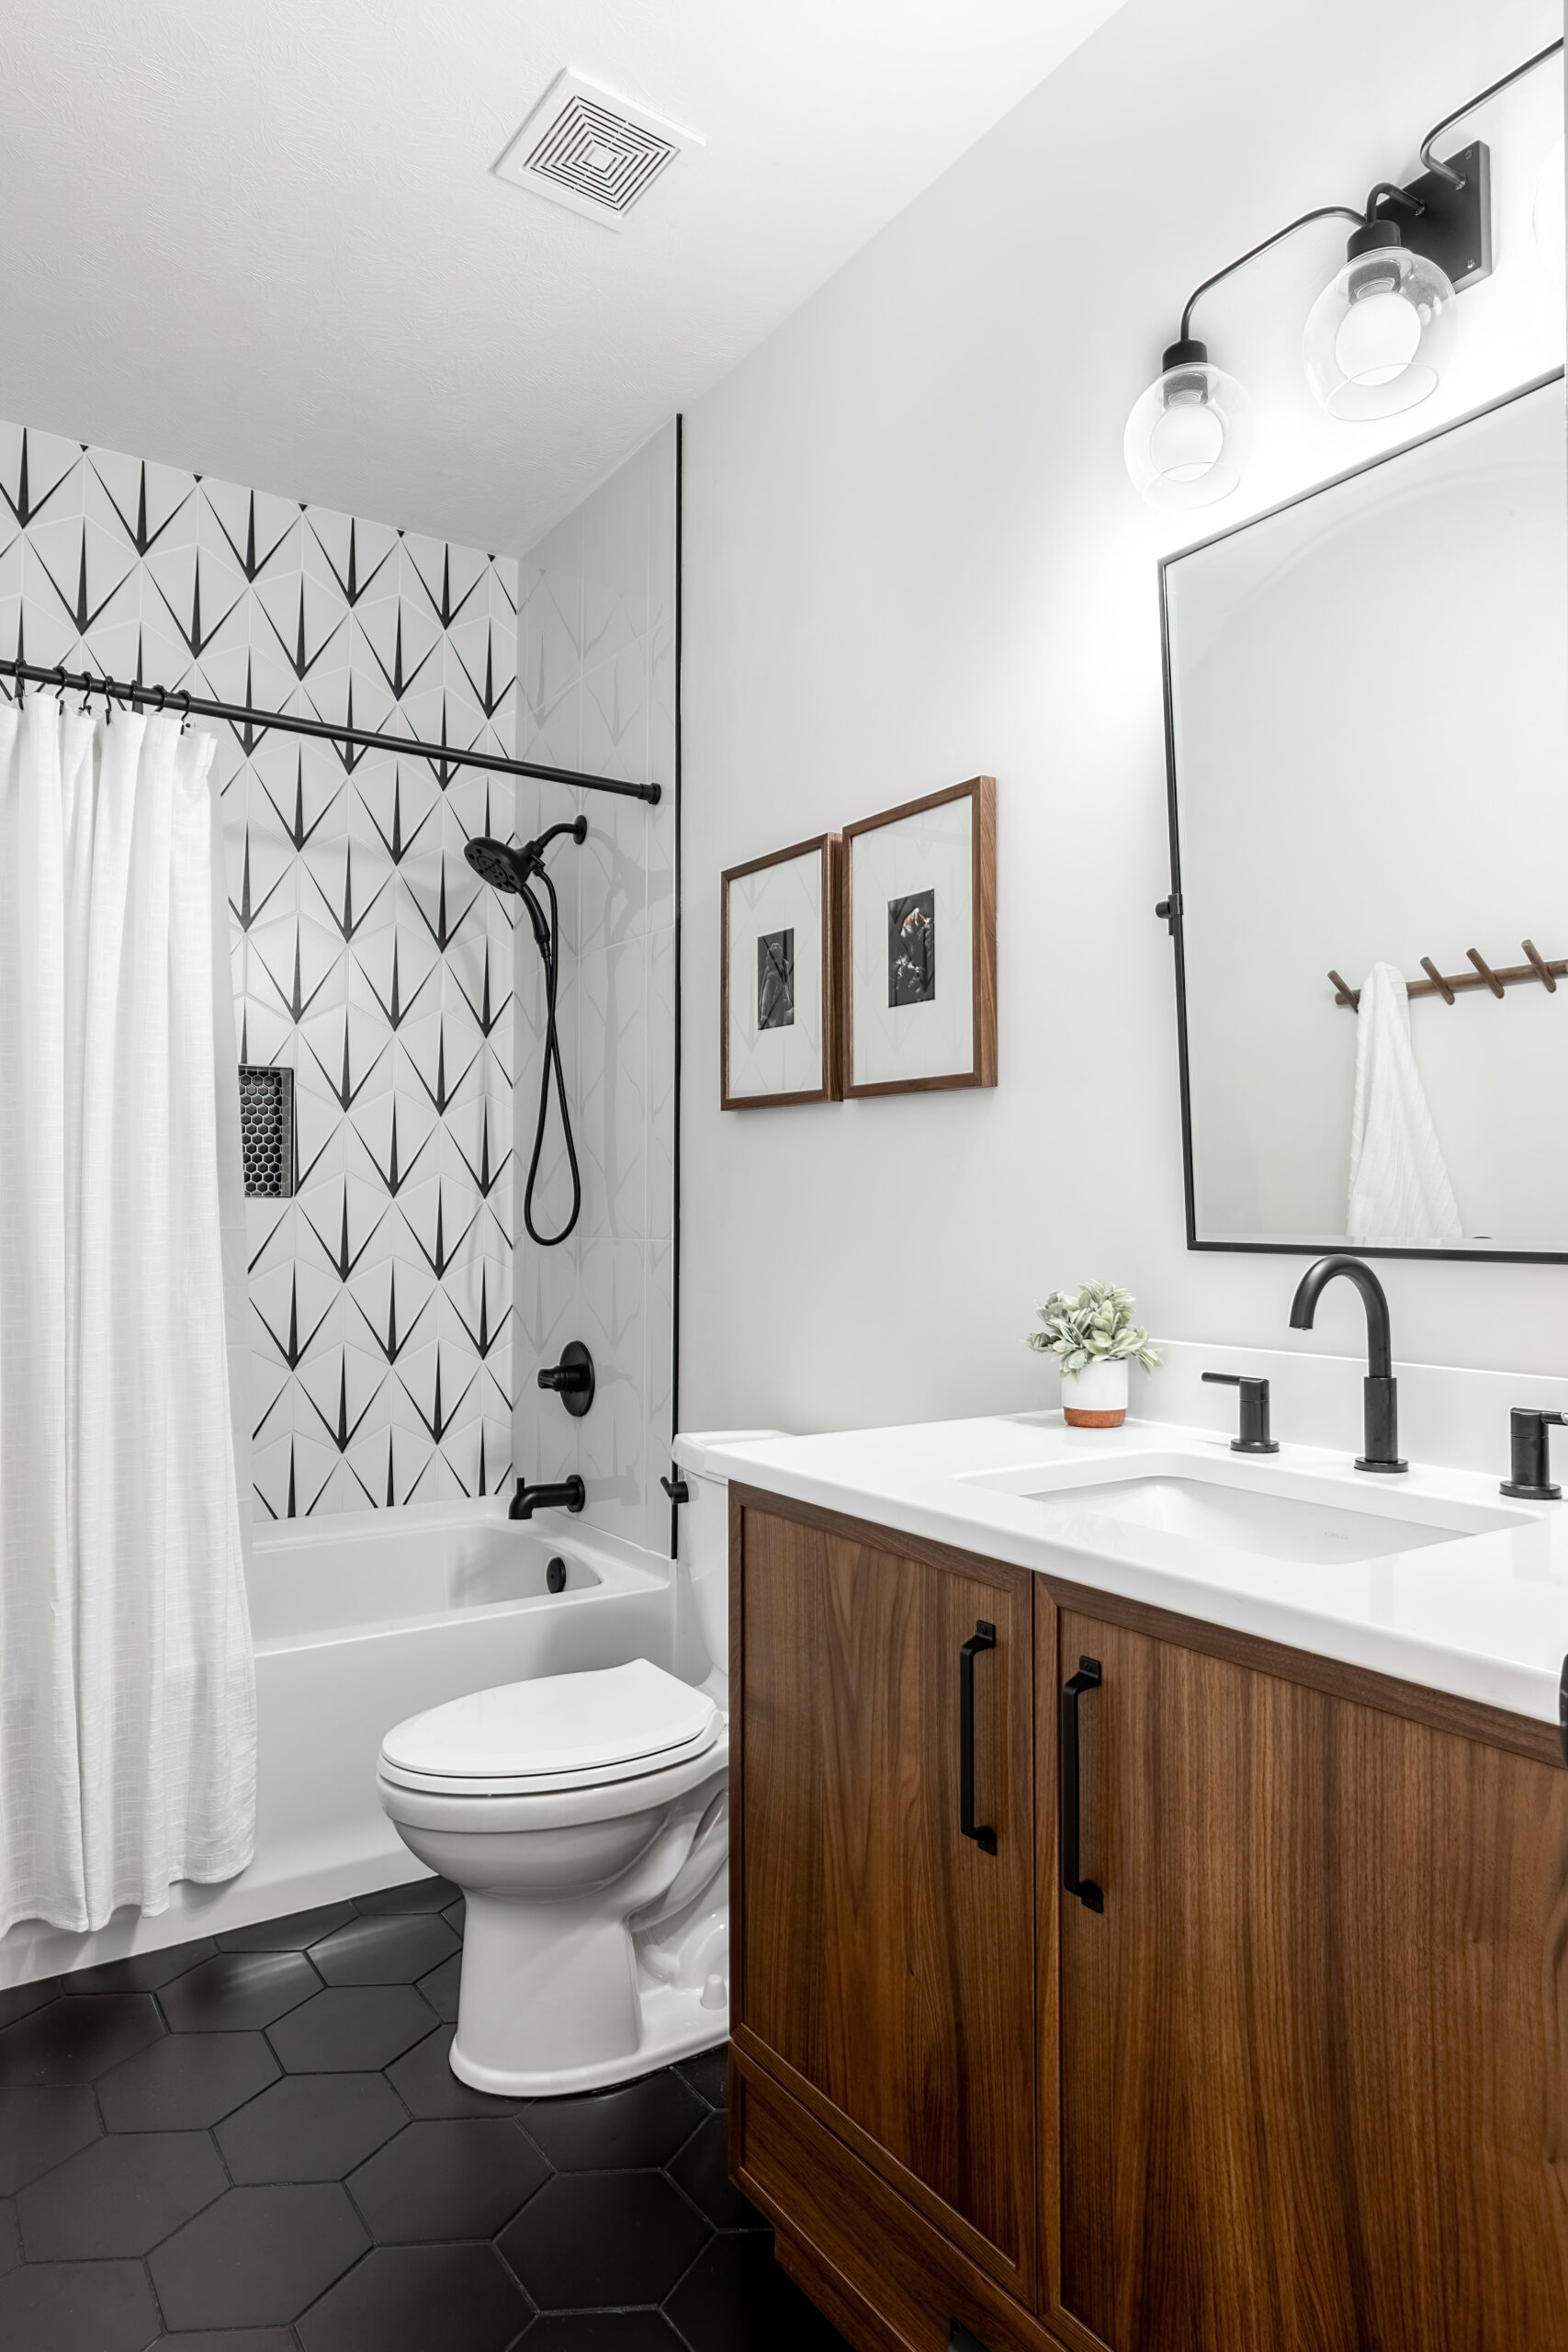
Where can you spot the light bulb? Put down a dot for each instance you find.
(1549, 221)
(1379, 336)
(1186, 438)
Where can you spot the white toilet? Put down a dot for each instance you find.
(585, 1817)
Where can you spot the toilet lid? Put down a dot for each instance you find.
(558, 1731)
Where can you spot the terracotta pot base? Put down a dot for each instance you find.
(1076, 1418)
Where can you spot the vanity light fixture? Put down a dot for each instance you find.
(1377, 338)
(1381, 332)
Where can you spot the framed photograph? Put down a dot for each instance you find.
(919, 954)
(778, 980)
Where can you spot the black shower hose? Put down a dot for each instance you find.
(546, 938)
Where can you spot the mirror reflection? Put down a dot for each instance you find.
(1368, 751)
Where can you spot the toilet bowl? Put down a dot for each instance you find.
(585, 1817)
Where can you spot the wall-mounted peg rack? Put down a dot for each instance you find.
(1448, 986)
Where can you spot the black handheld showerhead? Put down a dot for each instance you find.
(495, 863)
(518, 871)
(505, 868)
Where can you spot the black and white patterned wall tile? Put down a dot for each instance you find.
(366, 958)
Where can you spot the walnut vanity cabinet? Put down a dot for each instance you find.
(1299, 2084)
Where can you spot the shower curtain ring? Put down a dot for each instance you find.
(60, 689)
(162, 693)
(185, 721)
(87, 693)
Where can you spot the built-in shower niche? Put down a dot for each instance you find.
(267, 1131)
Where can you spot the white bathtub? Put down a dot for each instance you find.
(359, 1620)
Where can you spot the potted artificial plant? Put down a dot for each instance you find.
(1093, 1338)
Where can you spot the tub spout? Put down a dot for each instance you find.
(568, 1494)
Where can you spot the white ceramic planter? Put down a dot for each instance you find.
(1096, 1398)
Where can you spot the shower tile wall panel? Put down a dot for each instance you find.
(597, 666)
(365, 957)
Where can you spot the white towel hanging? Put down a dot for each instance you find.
(1399, 1185)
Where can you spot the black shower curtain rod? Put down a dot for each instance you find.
(258, 722)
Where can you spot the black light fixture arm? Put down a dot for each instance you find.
(1320, 212)
(1429, 162)
(128, 692)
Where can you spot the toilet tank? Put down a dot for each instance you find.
(704, 1532)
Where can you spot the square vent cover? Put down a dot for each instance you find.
(595, 153)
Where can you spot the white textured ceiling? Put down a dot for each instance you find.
(262, 238)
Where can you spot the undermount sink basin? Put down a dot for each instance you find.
(1271, 1524)
(1234, 1517)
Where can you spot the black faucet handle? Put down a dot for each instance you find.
(572, 1378)
(1254, 1437)
(1529, 1468)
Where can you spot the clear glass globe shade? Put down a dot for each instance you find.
(1188, 436)
(1378, 339)
(1549, 207)
(1380, 335)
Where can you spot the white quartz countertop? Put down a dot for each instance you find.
(1480, 1611)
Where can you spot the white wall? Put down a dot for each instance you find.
(911, 553)
(596, 670)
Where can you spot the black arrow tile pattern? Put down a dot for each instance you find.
(365, 958)
(258, 2144)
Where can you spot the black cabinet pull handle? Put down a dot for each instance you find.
(984, 1637)
(1088, 1678)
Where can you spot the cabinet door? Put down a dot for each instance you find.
(1314, 2047)
(885, 1962)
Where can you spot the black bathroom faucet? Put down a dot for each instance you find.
(569, 1494)
(1380, 1390)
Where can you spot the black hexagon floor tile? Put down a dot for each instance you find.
(310, 2127)
(294, 1932)
(442, 1986)
(424, 2080)
(120, 2196)
(413, 2298)
(390, 1948)
(39, 2127)
(702, 2169)
(231, 2339)
(77, 2038)
(464, 2178)
(736, 2299)
(602, 2331)
(637, 2123)
(237, 1992)
(21, 2000)
(187, 2082)
(708, 2074)
(419, 1894)
(257, 2257)
(454, 1914)
(142, 1971)
(591, 2239)
(10, 2238)
(77, 2307)
(351, 2029)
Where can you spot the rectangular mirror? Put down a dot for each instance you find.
(1367, 722)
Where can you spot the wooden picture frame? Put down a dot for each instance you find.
(902, 1055)
(759, 1063)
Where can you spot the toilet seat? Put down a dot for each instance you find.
(553, 1732)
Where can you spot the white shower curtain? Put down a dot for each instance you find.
(127, 1688)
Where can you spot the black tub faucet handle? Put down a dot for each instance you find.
(1254, 1437)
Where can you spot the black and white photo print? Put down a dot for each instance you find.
(779, 1034)
(775, 980)
(900, 1030)
(911, 948)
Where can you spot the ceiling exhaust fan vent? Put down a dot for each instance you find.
(591, 151)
